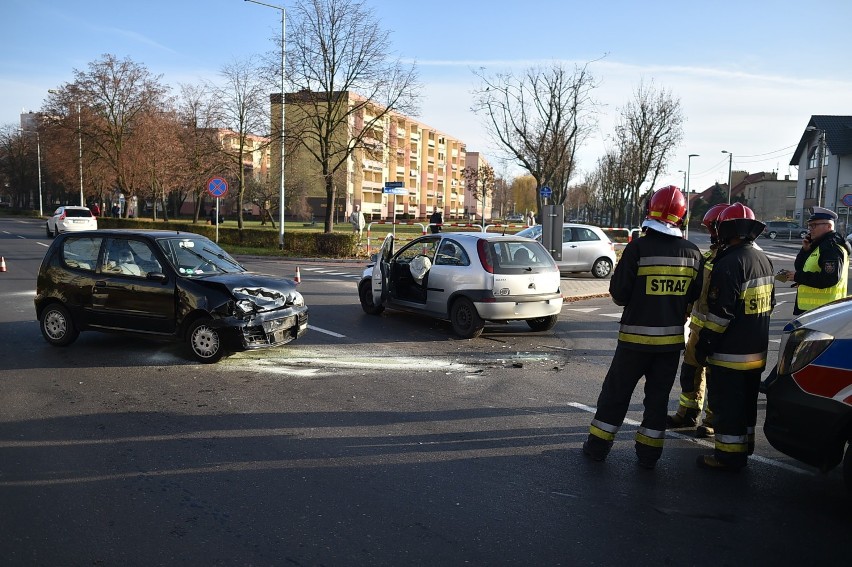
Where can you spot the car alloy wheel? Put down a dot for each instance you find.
(601, 268)
(465, 319)
(205, 342)
(773, 235)
(57, 327)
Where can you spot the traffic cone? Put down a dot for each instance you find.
(3, 264)
(297, 279)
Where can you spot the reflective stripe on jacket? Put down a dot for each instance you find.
(741, 298)
(655, 281)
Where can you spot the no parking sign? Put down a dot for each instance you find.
(217, 187)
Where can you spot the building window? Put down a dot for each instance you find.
(791, 192)
(810, 188)
(813, 158)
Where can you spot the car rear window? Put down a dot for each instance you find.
(510, 256)
(78, 213)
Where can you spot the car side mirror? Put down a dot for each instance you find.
(374, 258)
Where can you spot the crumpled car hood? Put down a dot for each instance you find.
(267, 292)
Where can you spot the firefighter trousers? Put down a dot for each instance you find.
(627, 367)
(693, 381)
(733, 395)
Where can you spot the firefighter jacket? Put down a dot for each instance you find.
(655, 281)
(740, 299)
(821, 272)
(699, 308)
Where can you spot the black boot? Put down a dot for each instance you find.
(678, 421)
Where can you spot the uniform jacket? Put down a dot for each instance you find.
(655, 281)
(740, 300)
(823, 267)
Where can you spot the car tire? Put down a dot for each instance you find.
(542, 323)
(602, 268)
(847, 468)
(465, 319)
(56, 325)
(365, 294)
(47, 229)
(772, 234)
(205, 342)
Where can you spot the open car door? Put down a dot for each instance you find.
(381, 270)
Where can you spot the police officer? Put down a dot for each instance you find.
(654, 281)
(735, 336)
(821, 266)
(692, 375)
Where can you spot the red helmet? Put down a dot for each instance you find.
(667, 205)
(711, 217)
(737, 221)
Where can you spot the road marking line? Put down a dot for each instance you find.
(708, 444)
(327, 332)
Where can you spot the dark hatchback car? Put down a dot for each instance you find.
(809, 393)
(163, 284)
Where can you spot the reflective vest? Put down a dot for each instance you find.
(812, 297)
(699, 309)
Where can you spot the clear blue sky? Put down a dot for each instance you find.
(749, 74)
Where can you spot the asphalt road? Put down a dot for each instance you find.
(370, 441)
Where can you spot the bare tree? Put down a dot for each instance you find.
(200, 150)
(108, 101)
(340, 62)
(243, 111)
(480, 182)
(649, 131)
(540, 119)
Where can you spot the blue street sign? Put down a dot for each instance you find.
(394, 184)
(847, 199)
(545, 191)
(394, 188)
(217, 187)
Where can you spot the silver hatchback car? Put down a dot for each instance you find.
(585, 248)
(466, 278)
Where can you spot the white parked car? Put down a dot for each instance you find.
(70, 219)
(585, 248)
(466, 278)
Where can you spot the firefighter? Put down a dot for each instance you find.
(654, 281)
(692, 374)
(735, 336)
(821, 266)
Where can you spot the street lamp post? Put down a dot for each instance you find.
(38, 154)
(688, 168)
(730, 162)
(281, 133)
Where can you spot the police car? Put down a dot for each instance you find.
(809, 394)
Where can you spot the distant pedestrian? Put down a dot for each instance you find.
(116, 211)
(436, 220)
(358, 221)
(530, 219)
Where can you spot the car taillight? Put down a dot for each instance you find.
(62, 216)
(482, 251)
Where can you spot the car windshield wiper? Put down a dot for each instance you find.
(223, 257)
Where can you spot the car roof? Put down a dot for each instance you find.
(148, 233)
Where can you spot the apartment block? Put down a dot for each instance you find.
(396, 148)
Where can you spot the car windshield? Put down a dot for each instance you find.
(531, 232)
(196, 257)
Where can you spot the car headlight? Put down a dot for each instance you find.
(801, 348)
(296, 299)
